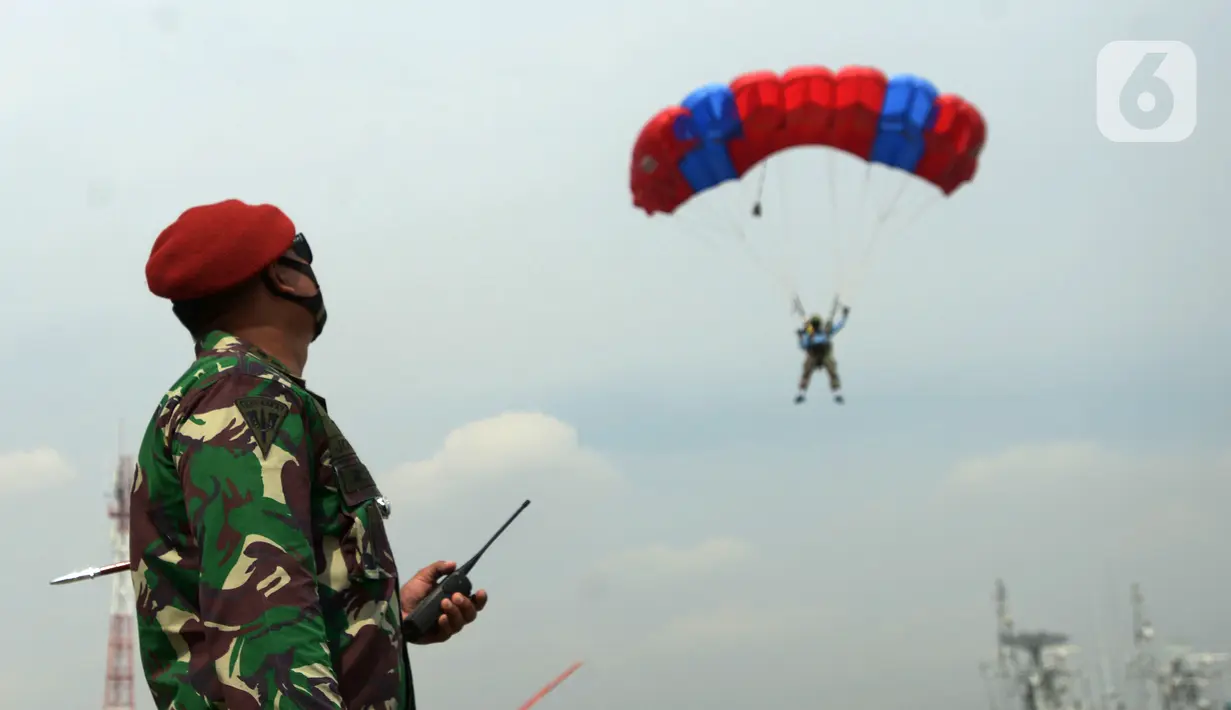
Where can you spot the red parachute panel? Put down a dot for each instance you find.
(859, 97)
(941, 150)
(970, 147)
(655, 177)
(808, 95)
(758, 95)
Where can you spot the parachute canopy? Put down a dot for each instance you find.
(719, 132)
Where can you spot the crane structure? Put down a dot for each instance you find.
(118, 691)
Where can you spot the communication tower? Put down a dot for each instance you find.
(118, 692)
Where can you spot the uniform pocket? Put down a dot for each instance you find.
(366, 543)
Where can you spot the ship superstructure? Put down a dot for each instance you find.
(1172, 677)
(1031, 670)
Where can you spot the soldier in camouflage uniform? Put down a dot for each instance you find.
(263, 571)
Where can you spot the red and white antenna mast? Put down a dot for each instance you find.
(118, 694)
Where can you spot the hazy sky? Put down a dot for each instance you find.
(1035, 370)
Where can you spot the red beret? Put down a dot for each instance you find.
(211, 248)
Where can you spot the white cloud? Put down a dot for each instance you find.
(1070, 524)
(734, 625)
(35, 468)
(658, 561)
(1124, 501)
(1068, 463)
(710, 628)
(1060, 460)
(509, 446)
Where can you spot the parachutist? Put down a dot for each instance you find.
(720, 133)
(816, 340)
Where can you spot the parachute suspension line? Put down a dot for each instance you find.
(844, 279)
(722, 219)
(734, 219)
(733, 226)
(782, 274)
(703, 224)
(894, 230)
(882, 215)
(783, 227)
(836, 234)
(709, 220)
(790, 252)
(860, 267)
(703, 232)
(707, 234)
(756, 206)
(784, 281)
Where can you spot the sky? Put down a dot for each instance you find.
(1033, 368)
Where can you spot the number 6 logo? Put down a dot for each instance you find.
(1146, 92)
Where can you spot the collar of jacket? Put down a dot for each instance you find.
(220, 342)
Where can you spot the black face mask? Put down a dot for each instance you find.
(314, 304)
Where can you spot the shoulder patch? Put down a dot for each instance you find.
(264, 416)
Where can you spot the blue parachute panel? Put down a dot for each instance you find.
(713, 121)
(715, 117)
(906, 115)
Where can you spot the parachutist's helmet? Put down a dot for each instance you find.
(815, 320)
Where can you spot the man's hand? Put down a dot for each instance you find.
(846, 311)
(455, 613)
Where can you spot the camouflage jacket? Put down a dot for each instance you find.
(263, 573)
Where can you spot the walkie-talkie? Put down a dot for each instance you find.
(422, 621)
